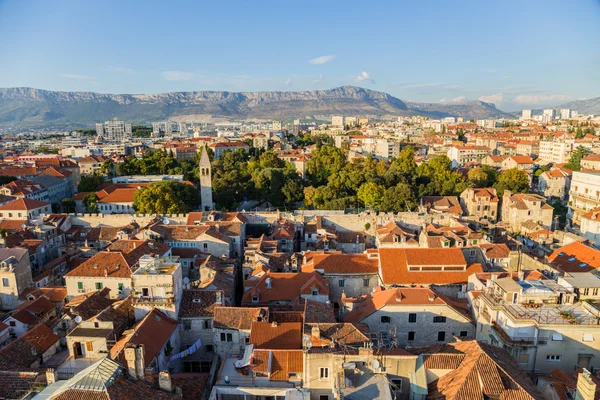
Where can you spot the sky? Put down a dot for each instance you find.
(516, 54)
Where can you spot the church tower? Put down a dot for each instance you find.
(205, 181)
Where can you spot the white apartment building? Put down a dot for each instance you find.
(557, 152)
(584, 194)
(548, 115)
(114, 131)
(337, 120)
(526, 114)
(565, 113)
(459, 155)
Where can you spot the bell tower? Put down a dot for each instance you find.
(205, 181)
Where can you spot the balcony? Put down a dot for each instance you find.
(154, 300)
(514, 341)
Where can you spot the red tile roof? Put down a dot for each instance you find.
(24, 204)
(342, 264)
(576, 257)
(271, 335)
(104, 263)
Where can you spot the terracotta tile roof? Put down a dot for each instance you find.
(12, 224)
(24, 204)
(443, 204)
(522, 159)
(17, 384)
(103, 264)
(495, 250)
(27, 349)
(282, 363)
(121, 195)
(133, 250)
(342, 264)
(341, 333)
(238, 318)
(89, 304)
(153, 332)
(576, 257)
(395, 265)
(485, 372)
(368, 304)
(271, 335)
(316, 312)
(285, 286)
(31, 311)
(593, 215)
(198, 303)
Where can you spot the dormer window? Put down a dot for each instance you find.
(315, 292)
(255, 299)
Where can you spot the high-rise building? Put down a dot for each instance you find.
(526, 114)
(114, 131)
(548, 115)
(565, 113)
(205, 181)
(337, 120)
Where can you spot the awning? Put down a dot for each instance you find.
(557, 336)
(588, 337)
(247, 357)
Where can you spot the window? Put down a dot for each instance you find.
(411, 336)
(441, 336)
(464, 333)
(89, 346)
(13, 323)
(255, 299)
(121, 286)
(341, 283)
(230, 337)
(439, 319)
(365, 282)
(385, 319)
(98, 285)
(324, 397)
(80, 287)
(209, 348)
(5, 282)
(187, 324)
(145, 292)
(207, 324)
(523, 358)
(412, 318)
(96, 324)
(222, 336)
(315, 292)
(553, 357)
(397, 385)
(205, 245)
(324, 373)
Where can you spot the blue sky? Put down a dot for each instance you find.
(517, 54)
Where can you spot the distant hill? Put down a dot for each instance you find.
(36, 108)
(585, 107)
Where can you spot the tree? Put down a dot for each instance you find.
(166, 197)
(90, 183)
(293, 191)
(514, 179)
(579, 134)
(68, 205)
(90, 203)
(371, 194)
(7, 179)
(399, 198)
(326, 160)
(577, 155)
(107, 168)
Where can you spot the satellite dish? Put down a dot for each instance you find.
(165, 221)
(308, 345)
(375, 365)
(78, 319)
(305, 338)
(186, 280)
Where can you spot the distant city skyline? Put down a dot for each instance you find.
(518, 55)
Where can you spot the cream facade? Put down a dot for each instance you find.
(584, 194)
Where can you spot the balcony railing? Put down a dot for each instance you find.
(515, 341)
(153, 300)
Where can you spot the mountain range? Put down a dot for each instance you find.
(28, 108)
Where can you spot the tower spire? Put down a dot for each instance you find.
(205, 181)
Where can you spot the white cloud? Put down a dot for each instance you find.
(540, 98)
(178, 75)
(493, 98)
(458, 99)
(364, 76)
(322, 59)
(492, 71)
(288, 82)
(78, 77)
(442, 100)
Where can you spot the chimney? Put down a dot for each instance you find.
(105, 272)
(164, 381)
(494, 277)
(130, 361)
(268, 282)
(315, 331)
(139, 361)
(274, 324)
(586, 388)
(521, 275)
(219, 298)
(50, 376)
